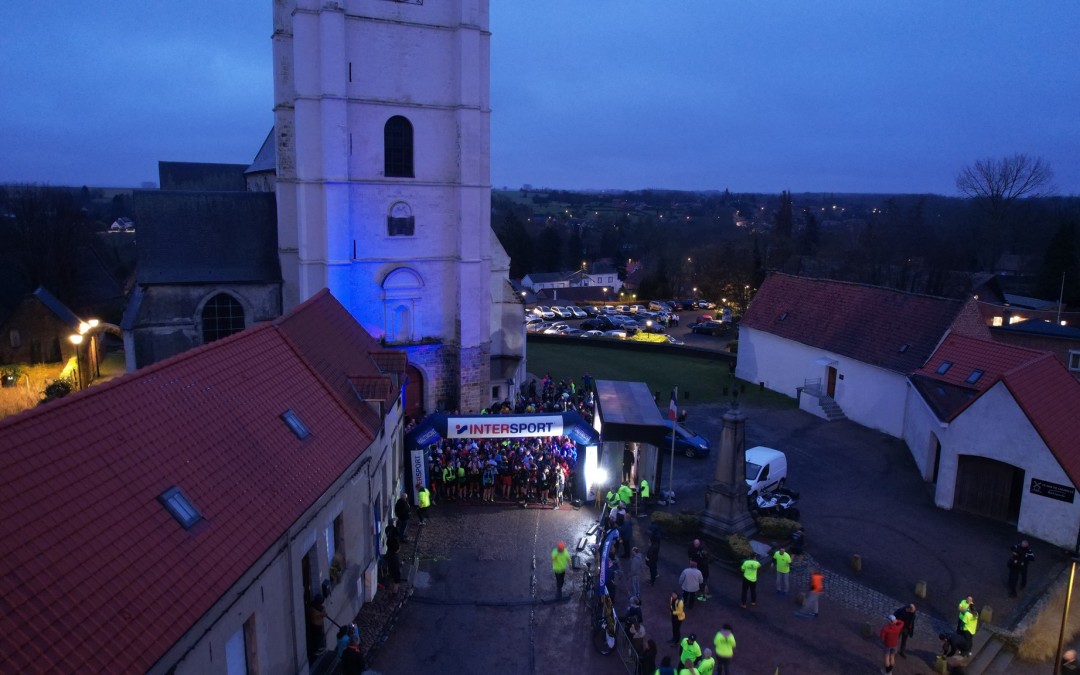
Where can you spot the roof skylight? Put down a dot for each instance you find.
(944, 367)
(180, 507)
(974, 376)
(292, 421)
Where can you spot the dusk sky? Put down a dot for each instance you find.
(752, 96)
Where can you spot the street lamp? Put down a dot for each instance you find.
(77, 340)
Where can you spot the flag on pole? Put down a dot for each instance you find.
(673, 407)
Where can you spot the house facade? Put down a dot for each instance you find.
(208, 499)
(844, 349)
(994, 428)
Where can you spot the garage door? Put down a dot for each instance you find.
(987, 487)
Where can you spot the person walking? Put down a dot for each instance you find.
(970, 621)
(678, 615)
(707, 664)
(560, 559)
(690, 584)
(637, 567)
(961, 609)
(402, 511)
(782, 563)
(1014, 565)
(652, 558)
(890, 640)
(1027, 556)
(905, 615)
(749, 581)
(423, 499)
(724, 643)
(689, 649)
(813, 598)
(798, 542)
(700, 555)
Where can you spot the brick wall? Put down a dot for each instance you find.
(42, 337)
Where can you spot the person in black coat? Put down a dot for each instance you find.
(1027, 556)
(1015, 564)
(907, 615)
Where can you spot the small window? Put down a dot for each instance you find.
(904, 347)
(944, 367)
(180, 507)
(398, 148)
(14, 338)
(335, 544)
(400, 222)
(974, 376)
(783, 316)
(1074, 361)
(292, 421)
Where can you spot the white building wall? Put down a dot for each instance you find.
(871, 396)
(921, 426)
(995, 427)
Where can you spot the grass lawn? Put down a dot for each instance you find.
(702, 377)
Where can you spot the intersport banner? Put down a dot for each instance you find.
(495, 426)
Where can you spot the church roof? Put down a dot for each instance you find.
(206, 237)
(201, 176)
(96, 574)
(266, 159)
(878, 326)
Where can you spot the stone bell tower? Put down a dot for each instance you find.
(382, 124)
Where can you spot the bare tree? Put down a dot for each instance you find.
(994, 185)
(999, 182)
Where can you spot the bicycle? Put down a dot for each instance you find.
(605, 625)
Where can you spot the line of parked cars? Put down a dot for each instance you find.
(634, 322)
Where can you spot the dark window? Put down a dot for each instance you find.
(292, 421)
(974, 376)
(944, 367)
(14, 338)
(398, 147)
(178, 505)
(221, 317)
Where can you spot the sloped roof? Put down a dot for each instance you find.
(1041, 327)
(879, 326)
(56, 307)
(207, 237)
(546, 277)
(201, 176)
(1050, 397)
(266, 159)
(95, 575)
(1047, 394)
(949, 393)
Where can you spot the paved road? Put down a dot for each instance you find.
(483, 587)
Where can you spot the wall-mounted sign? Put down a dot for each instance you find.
(1045, 488)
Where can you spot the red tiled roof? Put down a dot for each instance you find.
(391, 360)
(879, 326)
(1048, 395)
(95, 575)
(968, 354)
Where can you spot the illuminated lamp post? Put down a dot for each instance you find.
(77, 340)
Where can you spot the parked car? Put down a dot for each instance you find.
(706, 304)
(673, 341)
(658, 305)
(591, 333)
(559, 312)
(622, 309)
(705, 317)
(687, 442)
(593, 310)
(709, 328)
(557, 327)
(618, 333)
(599, 323)
(577, 312)
(766, 469)
(545, 312)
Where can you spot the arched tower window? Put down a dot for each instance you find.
(222, 315)
(398, 147)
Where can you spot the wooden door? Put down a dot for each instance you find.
(987, 487)
(830, 389)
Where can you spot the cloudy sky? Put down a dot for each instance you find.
(749, 95)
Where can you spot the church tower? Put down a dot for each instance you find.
(382, 121)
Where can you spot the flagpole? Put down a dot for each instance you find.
(673, 414)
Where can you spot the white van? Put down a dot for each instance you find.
(766, 469)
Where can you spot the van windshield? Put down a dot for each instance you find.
(752, 470)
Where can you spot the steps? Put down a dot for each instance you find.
(832, 411)
(989, 655)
